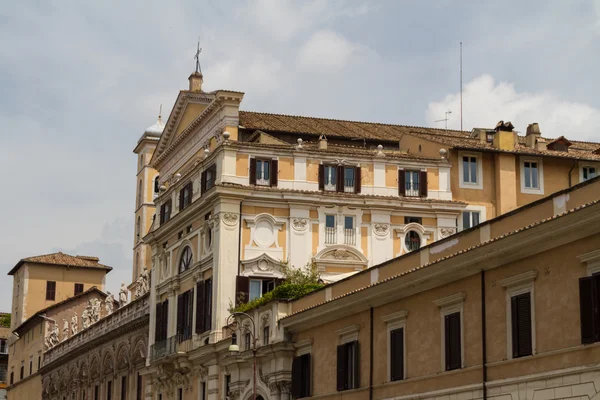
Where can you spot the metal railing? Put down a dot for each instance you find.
(330, 235)
(349, 185)
(412, 189)
(3, 373)
(172, 345)
(350, 236)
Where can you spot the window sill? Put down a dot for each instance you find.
(525, 190)
(470, 185)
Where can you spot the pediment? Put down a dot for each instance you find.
(341, 254)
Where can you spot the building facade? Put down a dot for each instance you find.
(4, 336)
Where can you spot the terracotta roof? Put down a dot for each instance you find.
(61, 258)
(60, 303)
(335, 127)
(420, 267)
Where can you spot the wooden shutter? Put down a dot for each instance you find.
(356, 366)
(521, 325)
(297, 377)
(208, 304)
(306, 375)
(181, 199)
(397, 354)
(321, 177)
(274, 172)
(423, 183)
(156, 185)
(242, 289)
(341, 367)
(357, 178)
(453, 342)
(200, 307)
(158, 323)
(189, 313)
(253, 171)
(340, 178)
(401, 182)
(213, 168)
(202, 182)
(588, 309)
(165, 319)
(179, 314)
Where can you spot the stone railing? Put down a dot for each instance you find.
(121, 317)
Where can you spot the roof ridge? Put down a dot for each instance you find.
(352, 121)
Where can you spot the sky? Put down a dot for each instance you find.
(80, 81)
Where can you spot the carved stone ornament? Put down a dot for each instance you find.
(300, 224)
(230, 219)
(381, 229)
(445, 232)
(341, 254)
(280, 387)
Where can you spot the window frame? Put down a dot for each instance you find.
(450, 305)
(330, 187)
(394, 322)
(479, 168)
(582, 171)
(75, 286)
(262, 162)
(406, 248)
(53, 291)
(182, 261)
(540, 168)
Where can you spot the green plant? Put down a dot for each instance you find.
(307, 275)
(286, 291)
(5, 320)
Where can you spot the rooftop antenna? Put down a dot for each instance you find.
(445, 119)
(160, 111)
(461, 89)
(197, 57)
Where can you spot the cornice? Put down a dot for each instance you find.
(525, 277)
(450, 300)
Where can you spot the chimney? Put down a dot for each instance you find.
(322, 142)
(533, 134)
(505, 138)
(195, 82)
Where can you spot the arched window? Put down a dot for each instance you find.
(138, 227)
(412, 241)
(139, 199)
(185, 262)
(156, 186)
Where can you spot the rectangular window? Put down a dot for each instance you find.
(184, 315)
(415, 220)
(123, 388)
(589, 308)
(411, 183)
(330, 177)
(22, 372)
(12, 378)
(397, 354)
(227, 384)
(330, 229)
(96, 392)
(263, 172)
(165, 211)
(30, 367)
(78, 288)
(185, 196)
(109, 390)
(139, 388)
(266, 334)
(531, 175)
(301, 376)
(203, 391)
(39, 362)
(208, 178)
(469, 170)
(255, 289)
(521, 325)
(453, 345)
(348, 366)
(349, 179)
(50, 290)
(180, 394)
(349, 231)
(3, 347)
(470, 219)
(589, 173)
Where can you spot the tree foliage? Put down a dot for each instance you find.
(5, 320)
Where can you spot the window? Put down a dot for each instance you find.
(301, 376)
(521, 325)
(589, 304)
(138, 228)
(532, 177)
(330, 229)
(396, 354)
(588, 173)
(412, 241)
(470, 219)
(139, 388)
(165, 212)
(185, 262)
(180, 394)
(266, 334)
(330, 183)
(123, 388)
(39, 362)
(3, 347)
(109, 390)
(30, 367)
(50, 290)
(162, 321)
(185, 196)
(12, 378)
(349, 231)
(78, 288)
(452, 341)
(489, 137)
(184, 315)
(470, 171)
(348, 366)
(156, 186)
(140, 193)
(413, 220)
(339, 178)
(22, 373)
(227, 384)
(204, 306)
(247, 341)
(263, 172)
(411, 183)
(259, 287)
(96, 392)
(203, 391)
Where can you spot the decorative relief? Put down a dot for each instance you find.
(381, 229)
(230, 219)
(341, 254)
(445, 232)
(300, 224)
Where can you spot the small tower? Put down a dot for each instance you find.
(146, 191)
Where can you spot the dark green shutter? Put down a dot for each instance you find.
(341, 367)
(321, 177)
(588, 309)
(397, 354)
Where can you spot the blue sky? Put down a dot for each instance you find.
(80, 81)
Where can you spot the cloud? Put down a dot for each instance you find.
(327, 49)
(486, 101)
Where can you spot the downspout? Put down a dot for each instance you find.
(483, 337)
(371, 355)
(240, 241)
(571, 170)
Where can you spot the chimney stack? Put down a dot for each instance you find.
(322, 142)
(533, 134)
(505, 138)
(195, 82)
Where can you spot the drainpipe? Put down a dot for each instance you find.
(571, 170)
(371, 355)
(483, 337)
(240, 241)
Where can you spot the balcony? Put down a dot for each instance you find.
(172, 345)
(330, 235)
(412, 189)
(126, 316)
(350, 236)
